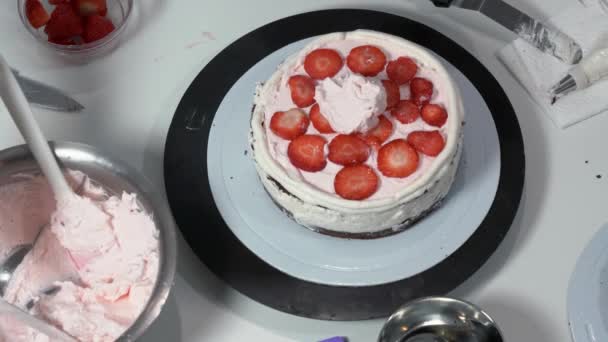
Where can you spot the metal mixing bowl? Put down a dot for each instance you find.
(440, 319)
(116, 177)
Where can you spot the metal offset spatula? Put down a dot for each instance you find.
(547, 39)
(45, 96)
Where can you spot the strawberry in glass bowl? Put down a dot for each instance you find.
(78, 29)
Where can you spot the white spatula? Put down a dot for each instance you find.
(20, 110)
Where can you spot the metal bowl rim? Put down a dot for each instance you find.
(438, 299)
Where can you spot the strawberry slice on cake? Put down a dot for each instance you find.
(358, 134)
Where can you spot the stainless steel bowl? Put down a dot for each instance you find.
(440, 319)
(116, 177)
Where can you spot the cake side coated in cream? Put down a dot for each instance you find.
(398, 201)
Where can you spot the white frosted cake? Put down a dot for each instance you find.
(358, 135)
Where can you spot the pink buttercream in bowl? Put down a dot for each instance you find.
(112, 267)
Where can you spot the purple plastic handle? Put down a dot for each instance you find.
(336, 339)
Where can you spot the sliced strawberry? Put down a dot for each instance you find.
(307, 152)
(434, 115)
(406, 112)
(290, 124)
(96, 28)
(366, 60)
(397, 159)
(90, 7)
(383, 129)
(64, 23)
(57, 2)
(393, 94)
(302, 90)
(421, 90)
(322, 63)
(348, 150)
(356, 182)
(319, 121)
(36, 14)
(371, 141)
(401, 70)
(430, 143)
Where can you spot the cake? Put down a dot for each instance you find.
(358, 135)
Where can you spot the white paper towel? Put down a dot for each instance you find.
(587, 23)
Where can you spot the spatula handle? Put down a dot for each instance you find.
(20, 110)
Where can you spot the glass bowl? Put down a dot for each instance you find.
(119, 12)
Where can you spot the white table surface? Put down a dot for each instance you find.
(131, 95)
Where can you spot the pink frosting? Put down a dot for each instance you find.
(12, 330)
(79, 312)
(21, 226)
(324, 179)
(351, 102)
(31, 278)
(101, 250)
